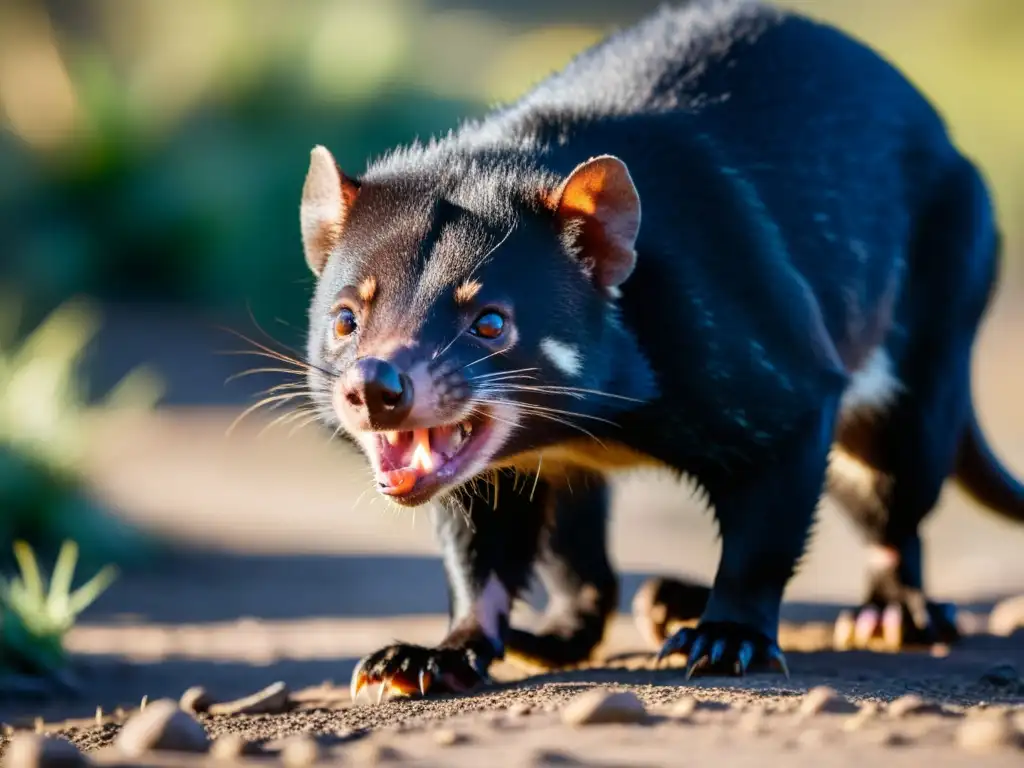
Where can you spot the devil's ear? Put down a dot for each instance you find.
(599, 213)
(327, 198)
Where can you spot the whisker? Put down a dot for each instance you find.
(480, 360)
(274, 402)
(267, 335)
(553, 418)
(273, 353)
(549, 409)
(303, 425)
(577, 392)
(285, 418)
(536, 477)
(254, 371)
(480, 262)
(497, 375)
(478, 412)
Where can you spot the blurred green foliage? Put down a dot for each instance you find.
(44, 422)
(155, 151)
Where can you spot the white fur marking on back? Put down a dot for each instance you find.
(565, 357)
(873, 387)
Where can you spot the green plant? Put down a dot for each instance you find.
(44, 427)
(36, 619)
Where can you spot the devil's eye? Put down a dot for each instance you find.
(488, 326)
(344, 322)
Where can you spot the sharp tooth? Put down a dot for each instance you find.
(421, 458)
(391, 437)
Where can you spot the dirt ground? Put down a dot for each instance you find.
(285, 569)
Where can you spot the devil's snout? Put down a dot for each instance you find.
(378, 393)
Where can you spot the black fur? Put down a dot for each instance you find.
(803, 210)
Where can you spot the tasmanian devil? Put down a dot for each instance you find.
(729, 241)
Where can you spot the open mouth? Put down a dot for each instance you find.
(412, 465)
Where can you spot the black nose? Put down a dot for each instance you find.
(378, 389)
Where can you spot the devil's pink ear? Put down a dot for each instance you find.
(327, 198)
(599, 210)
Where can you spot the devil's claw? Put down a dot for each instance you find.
(725, 648)
(896, 626)
(410, 670)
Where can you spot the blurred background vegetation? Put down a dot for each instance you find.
(152, 154)
(154, 150)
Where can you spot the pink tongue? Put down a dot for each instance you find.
(398, 482)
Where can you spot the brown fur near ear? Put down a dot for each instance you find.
(327, 197)
(599, 209)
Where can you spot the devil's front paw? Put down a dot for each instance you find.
(410, 670)
(725, 648)
(912, 621)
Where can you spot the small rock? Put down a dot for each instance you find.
(195, 700)
(1018, 721)
(753, 721)
(683, 709)
(601, 705)
(231, 746)
(1001, 676)
(868, 711)
(272, 700)
(553, 757)
(983, 734)
(300, 751)
(825, 700)
(374, 753)
(519, 709)
(812, 737)
(164, 726)
(1007, 617)
(30, 750)
(912, 704)
(889, 738)
(446, 737)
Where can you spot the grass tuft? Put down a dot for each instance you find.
(34, 618)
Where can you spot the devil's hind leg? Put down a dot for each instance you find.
(892, 458)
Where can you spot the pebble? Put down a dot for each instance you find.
(299, 751)
(196, 700)
(164, 726)
(892, 739)
(30, 750)
(753, 721)
(683, 709)
(1001, 676)
(812, 737)
(825, 700)
(1007, 617)
(601, 705)
(272, 700)
(519, 709)
(231, 746)
(374, 753)
(983, 734)
(912, 704)
(446, 737)
(868, 711)
(552, 757)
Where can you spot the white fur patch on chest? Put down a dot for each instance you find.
(565, 357)
(873, 387)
